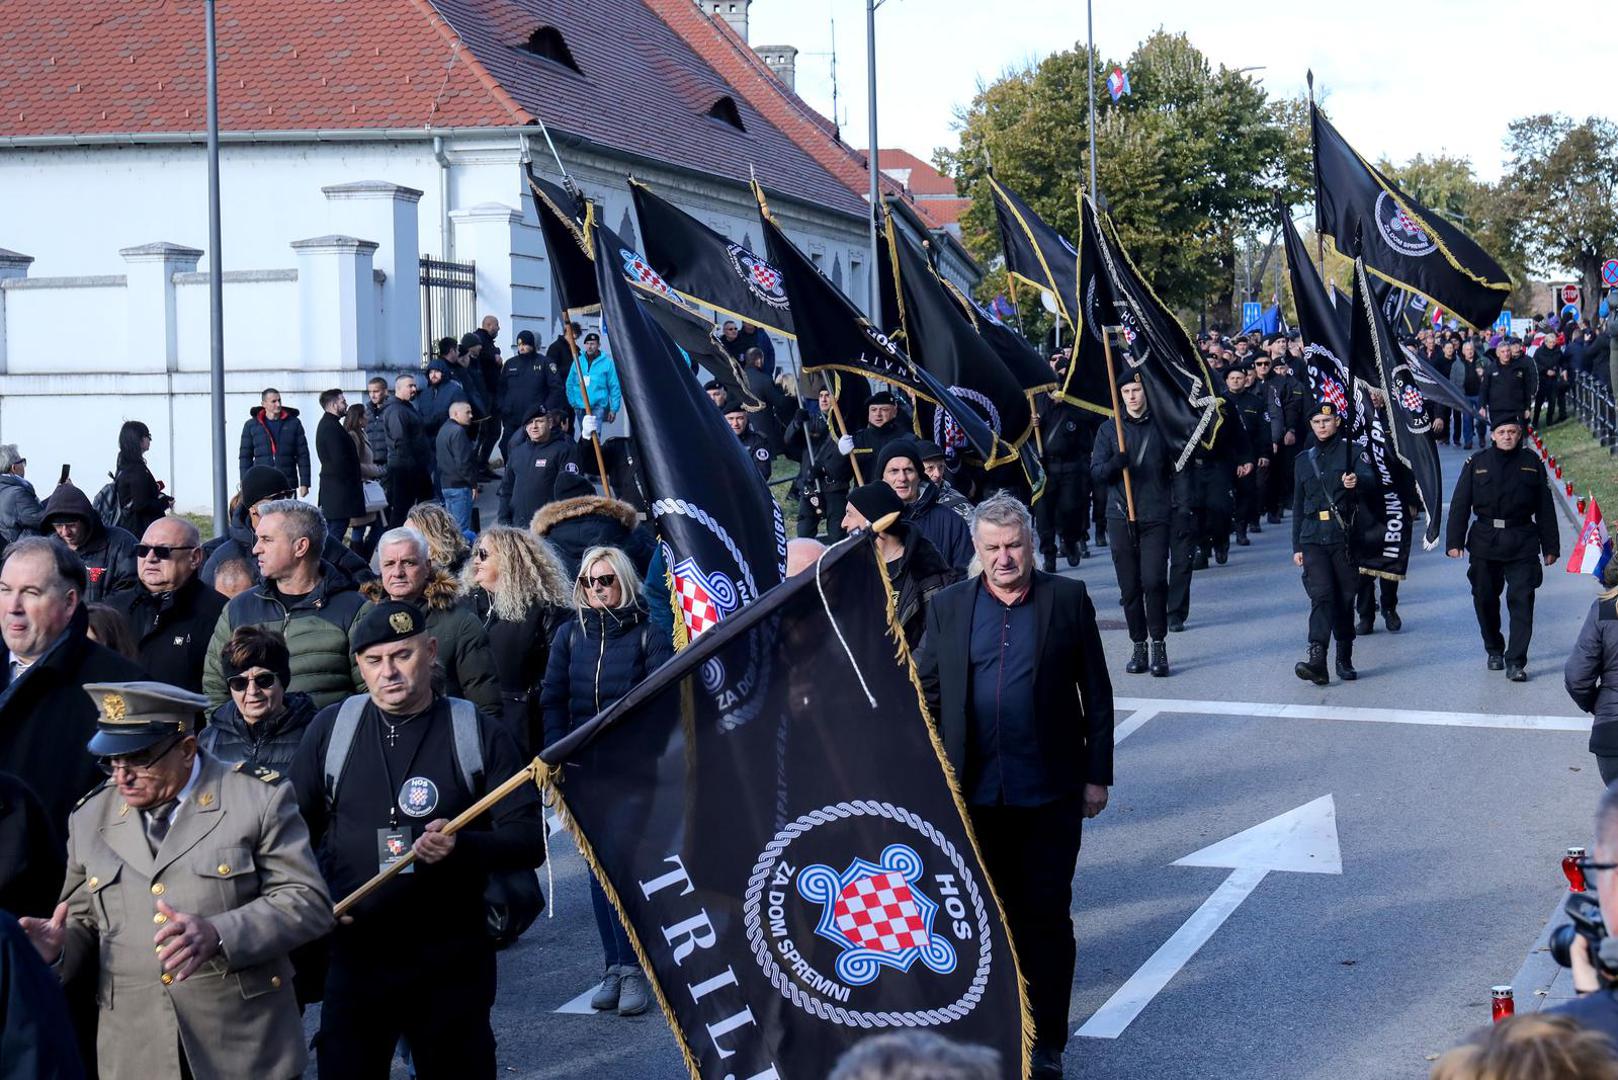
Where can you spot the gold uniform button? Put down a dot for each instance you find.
(224, 868)
(167, 979)
(157, 889)
(160, 918)
(93, 882)
(275, 981)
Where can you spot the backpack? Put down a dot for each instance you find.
(107, 505)
(513, 898)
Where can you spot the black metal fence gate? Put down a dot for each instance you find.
(448, 301)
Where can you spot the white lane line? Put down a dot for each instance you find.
(1128, 727)
(580, 1006)
(1359, 714)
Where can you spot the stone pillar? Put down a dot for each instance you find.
(387, 212)
(486, 234)
(336, 303)
(13, 264)
(150, 342)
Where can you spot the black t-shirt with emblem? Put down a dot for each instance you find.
(390, 788)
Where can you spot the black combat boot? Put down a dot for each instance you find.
(1391, 620)
(1101, 537)
(1200, 561)
(1313, 669)
(1222, 553)
(1160, 659)
(1071, 550)
(1365, 625)
(1345, 661)
(1137, 661)
(1241, 536)
(1049, 564)
(1084, 548)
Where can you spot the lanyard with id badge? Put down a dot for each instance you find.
(417, 797)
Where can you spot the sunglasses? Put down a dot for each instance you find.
(263, 680)
(605, 581)
(480, 555)
(136, 763)
(165, 552)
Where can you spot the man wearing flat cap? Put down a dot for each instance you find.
(1331, 477)
(376, 776)
(189, 881)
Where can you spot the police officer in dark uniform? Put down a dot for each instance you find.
(376, 776)
(1063, 512)
(1330, 479)
(1515, 528)
(753, 441)
(1140, 549)
(1246, 407)
(823, 473)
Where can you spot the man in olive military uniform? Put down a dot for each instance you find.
(381, 774)
(752, 440)
(1329, 480)
(189, 881)
(1515, 528)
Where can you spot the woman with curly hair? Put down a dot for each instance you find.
(445, 544)
(516, 587)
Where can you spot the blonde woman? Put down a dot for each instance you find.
(515, 586)
(445, 543)
(1591, 673)
(596, 658)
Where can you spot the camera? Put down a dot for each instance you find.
(1584, 914)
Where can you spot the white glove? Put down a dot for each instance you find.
(845, 445)
(590, 426)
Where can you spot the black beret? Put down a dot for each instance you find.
(1127, 376)
(713, 384)
(881, 397)
(733, 407)
(391, 620)
(930, 451)
(1508, 420)
(591, 336)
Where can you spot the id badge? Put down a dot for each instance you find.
(391, 846)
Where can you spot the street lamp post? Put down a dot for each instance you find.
(1090, 89)
(216, 289)
(875, 298)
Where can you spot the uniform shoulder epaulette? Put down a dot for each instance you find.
(92, 793)
(261, 772)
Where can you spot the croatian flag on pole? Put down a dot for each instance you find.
(1118, 83)
(1591, 553)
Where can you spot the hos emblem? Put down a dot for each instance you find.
(846, 945)
(1401, 231)
(418, 797)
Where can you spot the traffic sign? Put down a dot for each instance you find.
(1609, 273)
(1503, 323)
(1252, 312)
(1570, 294)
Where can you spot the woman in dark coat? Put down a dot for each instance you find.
(262, 723)
(366, 527)
(1591, 673)
(139, 493)
(596, 659)
(514, 585)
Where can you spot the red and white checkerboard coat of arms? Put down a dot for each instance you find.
(763, 280)
(704, 599)
(639, 271)
(877, 916)
(1411, 398)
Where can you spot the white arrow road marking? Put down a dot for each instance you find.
(1302, 841)
(1145, 708)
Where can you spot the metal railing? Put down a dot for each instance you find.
(1593, 404)
(448, 301)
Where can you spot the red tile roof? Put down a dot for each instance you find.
(920, 177)
(942, 212)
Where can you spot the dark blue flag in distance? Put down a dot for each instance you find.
(771, 816)
(721, 529)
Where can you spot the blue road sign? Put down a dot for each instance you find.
(1503, 323)
(1252, 312)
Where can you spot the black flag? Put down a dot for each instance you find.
(694, 334)
(769, 814)
(833, 335)
(1377, 361)
(1027, 366)
(565, 223)
(1396, 304)
(1179, 387)
(721, 529)
(708, 268)
(941, 342)
(1403, 240)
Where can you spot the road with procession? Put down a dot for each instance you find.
(1396, 848)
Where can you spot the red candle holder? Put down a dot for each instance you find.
(1571, 871)
(1504, 1006)
(1581, 506)
(1569, 488)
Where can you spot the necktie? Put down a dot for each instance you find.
(157, 824)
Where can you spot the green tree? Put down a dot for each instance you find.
(1187, 162)
(1560, 195)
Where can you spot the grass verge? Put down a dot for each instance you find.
(1590, 466)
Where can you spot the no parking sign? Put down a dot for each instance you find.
(1609, 273)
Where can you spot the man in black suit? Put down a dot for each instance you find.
(342, 491)
(1015, 678)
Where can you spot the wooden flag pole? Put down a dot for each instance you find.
(837, 411)
(1117, 419)
(465, 818)
(584, 393)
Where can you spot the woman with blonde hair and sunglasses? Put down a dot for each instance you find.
(596, 658)
(445, 544)
(515, 586)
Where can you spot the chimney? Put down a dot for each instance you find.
(733, 12)
(783, 60)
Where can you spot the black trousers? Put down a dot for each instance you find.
(1142, 569)
(1519, 578)
(436, 994)
(1062, 514)
(1213, 499)
(1182, 547)
(1553, 400)
(1365, 596)
(833, 505)
(1031, 854)
(1330, 579)
(405, 488)
(1608, 764)
(1244, 503)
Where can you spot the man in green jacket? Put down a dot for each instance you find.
(308, 601)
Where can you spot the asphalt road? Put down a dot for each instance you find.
(1450, 836)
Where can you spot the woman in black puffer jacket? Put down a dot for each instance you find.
(139, 493)
(1591, 673)
(579, 520)
(595, 660)
(262, 723)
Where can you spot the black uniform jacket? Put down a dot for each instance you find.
(1508, 493)
(1321, 506)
